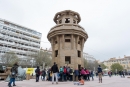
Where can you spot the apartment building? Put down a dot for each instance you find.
(125, 62)
(88, 57)
(19, 39)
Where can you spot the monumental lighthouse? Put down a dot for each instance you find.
(67, 39)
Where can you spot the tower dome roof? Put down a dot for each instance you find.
(65, 12)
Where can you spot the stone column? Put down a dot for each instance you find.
(63, 41)
(76, 22)
(72, 41)
(53, 52)
(77, 42)
(82, 46)
(57, 21)
(58, 41)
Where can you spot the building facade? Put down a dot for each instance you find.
(89, 57)
(125, 62)
(67, 39)
(21, 40)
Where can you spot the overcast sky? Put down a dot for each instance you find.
(107, 22)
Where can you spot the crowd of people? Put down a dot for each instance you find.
(121, 73)
(64, 73)
(67, 73)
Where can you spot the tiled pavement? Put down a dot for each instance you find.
(114, 81)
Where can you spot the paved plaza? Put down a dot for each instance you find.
(114, 81)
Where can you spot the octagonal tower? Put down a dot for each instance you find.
(67, 39)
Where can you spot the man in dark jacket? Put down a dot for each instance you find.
(13, 75)
(43, 74)
(54, 70)
(100, 73)
(37, 71)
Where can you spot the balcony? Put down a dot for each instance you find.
(32, 48)
(5, 42)
(35, 44)
(1, 35)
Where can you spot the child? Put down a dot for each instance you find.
(81, 82)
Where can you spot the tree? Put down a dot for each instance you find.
(116, 66)
(25, 63)
(42, 57)
(90, 64)
(103, 66)
(9, 58)
(85, 63)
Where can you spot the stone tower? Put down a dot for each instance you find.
(67, 39)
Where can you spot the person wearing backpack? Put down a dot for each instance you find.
(37, 71)
(68, 73)
(100, 73)
(71, 74)
(43, 74)
(13, 75)
(61, 73)
(76, 74)
(64, 73)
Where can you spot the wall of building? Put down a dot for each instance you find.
(125, 62)
(18, 39)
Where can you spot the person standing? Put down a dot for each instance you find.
(43, 74)
(68, 73)
(100, 73)
(13, 75)
(61, 73)
(71, 74)
(54, 70)
(123, 75)
(37, 71)
(87, 75)
(109, 73)
(65, 72)
(91, 74)
(76, 73)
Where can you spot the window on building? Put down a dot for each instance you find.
(67, 60)
(78, 42)
(67, 20)
(67, 40)
(5, 28)
(55, 42)
(68, 35)
(60, 21)
(13, 47)
(79, 53)
(74, 21)
(56, 53)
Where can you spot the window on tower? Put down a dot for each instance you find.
(55, 42)
(67, 20)
(56, 53)
(60, 21)
(67, 40)
(74, 21)
(78, 42)
(67, 60)
(79, 53)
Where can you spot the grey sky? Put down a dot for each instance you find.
(107, 22)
